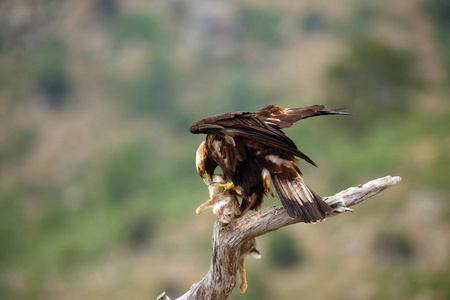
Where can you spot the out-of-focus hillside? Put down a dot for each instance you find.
(98, 187)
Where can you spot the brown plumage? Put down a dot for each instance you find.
(255, 155)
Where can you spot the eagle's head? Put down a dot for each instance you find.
(200, 163)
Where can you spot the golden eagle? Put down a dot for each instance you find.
(255, 155)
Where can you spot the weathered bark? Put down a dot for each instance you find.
(229, 237)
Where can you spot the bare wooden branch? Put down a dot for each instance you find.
(229, 237)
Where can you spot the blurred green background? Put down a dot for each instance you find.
(98, 187)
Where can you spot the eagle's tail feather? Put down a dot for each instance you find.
(299, 200)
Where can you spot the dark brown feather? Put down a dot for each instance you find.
(286, 117)
(249, 126)
(299, 200)
(244, 143)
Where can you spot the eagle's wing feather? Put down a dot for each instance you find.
(248, 125)
(226, 155)
(263, 126)
(285, 117)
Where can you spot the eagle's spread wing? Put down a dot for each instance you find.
(263, 126)
(249, 126)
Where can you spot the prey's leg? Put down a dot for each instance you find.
(208, 203)
(242, 275)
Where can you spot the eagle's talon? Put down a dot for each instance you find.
(237, 190)
(207, 179)
(230, 186)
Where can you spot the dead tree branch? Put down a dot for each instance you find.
(228, 238)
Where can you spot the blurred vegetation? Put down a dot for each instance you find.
(375, 80)
(98, 187)
(139, 27)
(261, 25)
(393, 247)
(237, 85)
(18, 144)
(439, 11)
(313, 22)
(126, 172)
(107, 8)
(283, 252)
(153, 91)
(261, 289)
(50, 70)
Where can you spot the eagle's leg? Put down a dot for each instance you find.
(244, 209)
(230, 186)
(251, 201)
